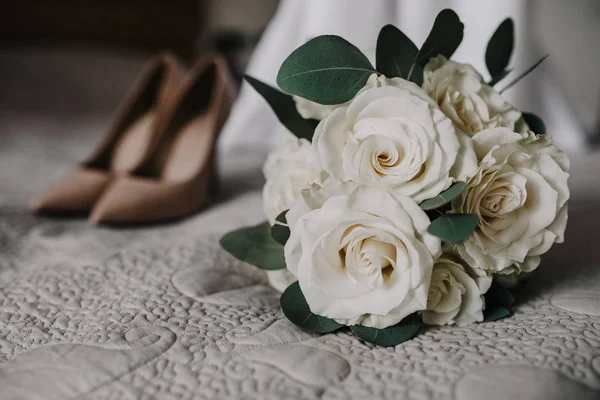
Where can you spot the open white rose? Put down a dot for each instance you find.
(466, 99)
(395, 137)
(455, 297)
(520, 196)
(288, 170)
(361, 258)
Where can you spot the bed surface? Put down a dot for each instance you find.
(162, 312)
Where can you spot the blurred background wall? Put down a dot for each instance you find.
(68, 58)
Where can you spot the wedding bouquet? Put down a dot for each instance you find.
(405, 190)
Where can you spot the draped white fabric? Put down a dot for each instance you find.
(252, 124)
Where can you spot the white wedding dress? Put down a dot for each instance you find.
(252, 125)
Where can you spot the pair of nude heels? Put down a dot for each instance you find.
(157, 160)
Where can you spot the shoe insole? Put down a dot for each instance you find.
(133, 144)
(189, 149)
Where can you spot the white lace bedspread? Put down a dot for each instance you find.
(162, 312)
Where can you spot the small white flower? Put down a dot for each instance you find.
(466, 99)
(520, 196)
(288, 170)
(395, 137)
(455, 297)
(360, 255)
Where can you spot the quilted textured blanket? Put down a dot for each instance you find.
(162, 312)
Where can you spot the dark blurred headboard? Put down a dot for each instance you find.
(143, 24)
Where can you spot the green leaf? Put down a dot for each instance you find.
(443, 198)
(296, 309)
(535, 123)
(327, 69)
(281, 231)
(453, 227)
(284, 107)
(524, 74)
(499, 49)
(395, 52)
(255, 246)
(498, 295)
(499, 77)
(498, 300)
(444, 38)
(391, 336)
(416, 75)
(490, 315)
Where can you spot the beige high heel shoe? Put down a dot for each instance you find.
(179, 174)
(125, 144)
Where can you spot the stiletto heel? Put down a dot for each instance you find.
(179, 175)
(126, 143)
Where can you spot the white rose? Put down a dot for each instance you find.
(395, 137)
(280, 279)
(463, 96)
(288, 170)
(454, 296)
(311, 110)
(361, 258)
(520, 196)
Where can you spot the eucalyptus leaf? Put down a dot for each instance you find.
(499, 77)
(453, 227)
(500, 48)
(416, 75)
(495, 314)
(498, 300)
(255, 246)
(296, 309)
(445, 197)
(498, 295)
(327, 69)
(280, 231)
(391, 336)
(535, 123)
(395, 52)
(444, 38)
(284, 107)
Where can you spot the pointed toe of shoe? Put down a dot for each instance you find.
(133, 200)
(77, 192)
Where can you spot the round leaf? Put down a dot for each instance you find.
(296, 309)
(391, 336)
(444, 38)
(396, 53)
(285, 109)
(453, 227)
(500, 48)
(255, 246)
(327, 69)
(281, 231)
(497, 78)
(498, 295)
(535, 123)
(416, 74)
(495, 314)
(498, 300)
(444, 198)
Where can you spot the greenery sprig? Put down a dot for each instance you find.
(329, 70)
